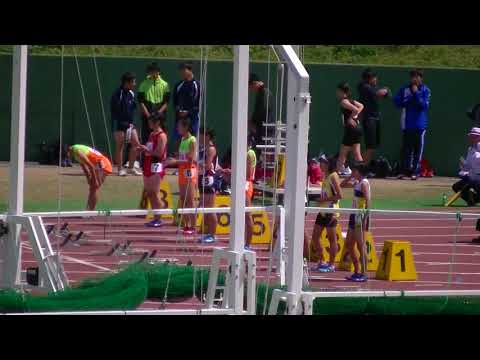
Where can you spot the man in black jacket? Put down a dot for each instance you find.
(122, 109)
(186, 99)
(263, 111)
(369, 94)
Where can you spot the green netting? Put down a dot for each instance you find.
(11, 301)
(434, 305)
(125, 290)
(180, 279)
(261, 289)
(129, 288)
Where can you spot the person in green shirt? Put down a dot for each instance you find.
(153, 97)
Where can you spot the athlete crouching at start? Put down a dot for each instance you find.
(356, 227)
(187, 172)
(155, 151)
(95, 166)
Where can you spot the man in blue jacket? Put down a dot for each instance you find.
(414, 100)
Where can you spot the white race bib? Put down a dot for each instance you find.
(208, 180)
(156, 168)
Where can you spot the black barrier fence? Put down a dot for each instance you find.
(453, 91)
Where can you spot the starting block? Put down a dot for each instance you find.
(166, 198)
(312, 256)
(346, 263)
(396, 262)
(261, 225)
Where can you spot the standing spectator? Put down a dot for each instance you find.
(369, 94)
(153, 96)
(122, 108)
(263, 111)
(414, 100)
(352, 131)
(186, 99)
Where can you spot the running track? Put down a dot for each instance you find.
(432, 240)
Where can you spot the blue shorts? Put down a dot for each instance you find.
(195, 122)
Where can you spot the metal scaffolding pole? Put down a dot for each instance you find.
(239, 164)
(298, 107)
(11, 254)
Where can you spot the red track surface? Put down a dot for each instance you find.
(432, 240)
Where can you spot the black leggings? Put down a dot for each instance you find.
(464, 186)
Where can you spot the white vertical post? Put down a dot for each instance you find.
(12, 252)
(298, 100)
(239, 167)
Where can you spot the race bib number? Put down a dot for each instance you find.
(156, 168)
(208, 180)
(188, 173)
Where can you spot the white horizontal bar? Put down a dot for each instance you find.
(138, 312)
(137, 212)
(311, 209)
(392, 293)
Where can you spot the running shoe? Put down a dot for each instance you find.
(134, 172)
(188, 231)
(324, 268)
(345, 172)
(122, 172)
(400, 176)
(357, 277)
(413, 177)
(207, 239)
(248, 248)
(154, 223)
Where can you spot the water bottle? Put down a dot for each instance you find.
(444, 200)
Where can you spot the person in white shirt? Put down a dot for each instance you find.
(469, 173)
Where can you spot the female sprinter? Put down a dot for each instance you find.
(207, 165)
(329, 198)
(155, 151)
(95, 166)
(361, 200)
(187, 172)
(251, 165)
(352, 132)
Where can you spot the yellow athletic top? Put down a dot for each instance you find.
(328, 189)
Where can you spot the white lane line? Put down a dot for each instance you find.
(377, 219)
(432, 263)
(75, 260)
(86, 263)
(399, 283)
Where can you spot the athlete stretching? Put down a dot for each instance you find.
(95, 166)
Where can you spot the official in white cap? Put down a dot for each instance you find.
(469, 173)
